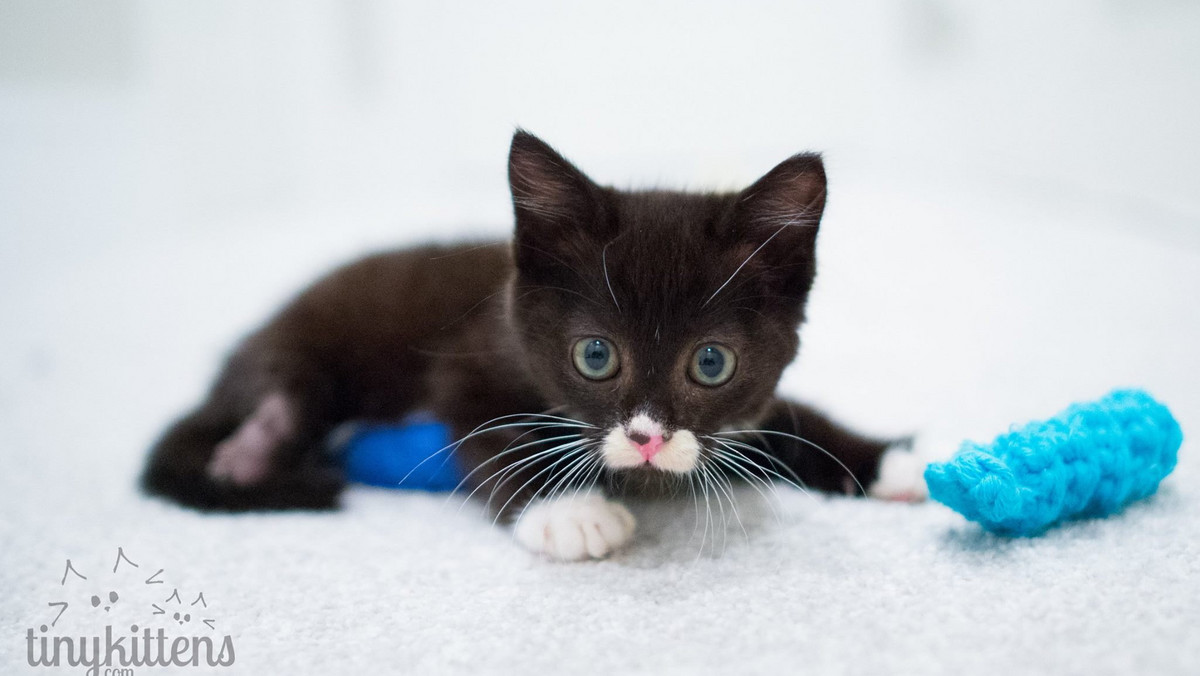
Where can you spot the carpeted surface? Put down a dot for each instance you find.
(955, 316)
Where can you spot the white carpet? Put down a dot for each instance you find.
(954, 315)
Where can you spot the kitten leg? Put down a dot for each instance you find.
(829, 457)
(241, 452)
(575, 527)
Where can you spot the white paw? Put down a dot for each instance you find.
(575, 528)
(901, 476)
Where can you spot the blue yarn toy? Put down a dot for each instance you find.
(1088, 461)
(402, 456)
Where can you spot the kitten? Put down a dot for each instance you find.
(620, 340)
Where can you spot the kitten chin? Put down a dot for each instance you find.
(648, 483)
(653, 317)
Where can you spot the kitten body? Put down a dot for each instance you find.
(619, 340)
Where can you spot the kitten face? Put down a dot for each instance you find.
(659, 317)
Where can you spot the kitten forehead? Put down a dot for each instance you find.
(662, 251)
(646, 209)
(659, 279)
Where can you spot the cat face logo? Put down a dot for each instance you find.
(112, 600)
(108, 601)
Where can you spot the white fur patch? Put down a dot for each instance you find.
(574, 528)
(678, 454)
(644, 424)
(619, 452)
(901, 476)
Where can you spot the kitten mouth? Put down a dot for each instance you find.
(645, 443)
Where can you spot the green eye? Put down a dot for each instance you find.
(596, 358)
(712, 365)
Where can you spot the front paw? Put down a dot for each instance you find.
(575, 528)
(901, 476)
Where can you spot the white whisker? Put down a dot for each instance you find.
(707, 518)
(582, 473)
(792, 219)
(535, 427)
(805, 441)
(728, 461)
(513, 467)
(732, 447)
(575, 464)
(591, 466)
(727, 488)
(604, 264)
(454, 445)
(573, 455)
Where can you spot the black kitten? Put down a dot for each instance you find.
(623, 339)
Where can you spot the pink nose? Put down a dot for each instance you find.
(647, 444)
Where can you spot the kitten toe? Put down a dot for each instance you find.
(901, 476)
(575, 528)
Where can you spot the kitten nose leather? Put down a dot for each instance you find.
(647, 444)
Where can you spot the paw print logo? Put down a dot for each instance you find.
(112, 601)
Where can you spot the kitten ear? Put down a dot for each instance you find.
(546, 188)
(779, 214)
(559, 210)
(793, 193)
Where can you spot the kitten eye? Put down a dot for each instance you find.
(596, 358)
(713, 365)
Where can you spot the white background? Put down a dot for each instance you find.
(123, 118)
(1013, 225)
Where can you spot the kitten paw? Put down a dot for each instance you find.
(901, 476)
(575, 528)
(245, 457)
(238, 463)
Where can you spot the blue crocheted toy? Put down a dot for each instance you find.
(405, 455)
(1088, 461)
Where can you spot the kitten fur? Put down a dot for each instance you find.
(482, 335)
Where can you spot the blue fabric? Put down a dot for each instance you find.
(403, 456)
(1088, 461)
